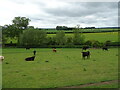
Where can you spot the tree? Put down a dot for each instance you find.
(11, 31)
(107, 43)
(78, 38)
(60, 38)
(31, 27)
(96, 44)
(51, 41)
(21, 22)
(33, 38)
(69, 41)
(62, 28)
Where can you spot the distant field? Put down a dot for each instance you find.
(65, 68)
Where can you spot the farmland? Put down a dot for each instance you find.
(101, 37)
(65, 68)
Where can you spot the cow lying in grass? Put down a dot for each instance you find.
(30, 58)
(1, 58)
(86, 54)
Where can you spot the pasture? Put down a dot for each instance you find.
(101, 37)
(64, 68)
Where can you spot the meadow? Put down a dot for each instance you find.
(64, 68)
(101, 37)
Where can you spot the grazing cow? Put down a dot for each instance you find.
(54, 50)
(1, 58)
(27, 48)
(30, 58)
(105, 48)
(86, 54)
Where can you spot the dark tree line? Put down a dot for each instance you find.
(64, 28)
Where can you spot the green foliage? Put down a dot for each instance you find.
(4, 39)
(61, 28)
(51, 41)
(21, 22)
(69, 41)
(60, 38)
(33, 38)
(93, 43)
(78, 38)
(11, 31)
(89, 42)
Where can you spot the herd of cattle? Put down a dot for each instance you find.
(85, 53)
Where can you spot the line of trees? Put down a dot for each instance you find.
(39, 38)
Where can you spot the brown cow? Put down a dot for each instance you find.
(54, 50)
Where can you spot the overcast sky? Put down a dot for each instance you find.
(52, 13)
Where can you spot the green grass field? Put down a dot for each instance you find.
(101, 37)
(65, 68)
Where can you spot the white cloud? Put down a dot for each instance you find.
(50, 13)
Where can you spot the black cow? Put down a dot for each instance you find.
(105, 48)
(30, 58)
(34, 52)
(86, 54)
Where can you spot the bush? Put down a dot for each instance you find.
(33, 38)
(93, 43)
(96, 44)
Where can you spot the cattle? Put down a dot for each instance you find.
(1, 58)
(54, 50)
(86, 54)
(30, 58)
(105, 48)
(27, 48)
(34, 52)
